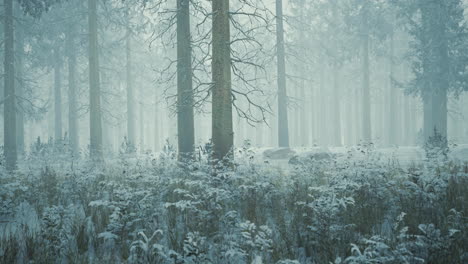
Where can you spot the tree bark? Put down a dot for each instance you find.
(393, 111)
(9, 127)
(283, 130)
(19, 91)
(222, 132)
(130, 93)
(366, 105)
(72, 100)
(57, 96)
(336, 102)
(185, 121)
(157, 134)
(436, 69)
(337, 106)
(94, 85)
(142, 125)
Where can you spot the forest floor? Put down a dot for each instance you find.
(405, 156)
(307, 206)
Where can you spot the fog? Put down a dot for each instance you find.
(296, 92)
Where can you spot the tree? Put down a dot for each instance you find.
(34, 9)
(366, 22)
(438, 55)
(222, 131)
(20, 90)
(10, 143)
(393, 126)
(283, 130)
(366, 104)
(58, 94)
(185, 123)
(95, 123)
(130, 91)
(72, 96)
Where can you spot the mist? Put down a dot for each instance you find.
(234, 131)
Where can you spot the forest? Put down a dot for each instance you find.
(234, 131)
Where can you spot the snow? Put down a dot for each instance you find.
(307, 205)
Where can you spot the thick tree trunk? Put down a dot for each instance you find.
(130, 93)
(9, 127)
(185, 123)
(436, 70)
(366, 104)
(94, 85)
(57, 95)
(72, 100)
(283, 130)
(19, 91)
(222, 133)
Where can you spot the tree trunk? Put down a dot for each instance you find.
(222, 132)
(19, 91)
(283, 131)
(130, 94)
(350, 122)
(407, 133)
(95, 123)
(304, 125)
(185, 123)
(57, 96)
(393, 111)
(436, 70)
(337, 108)
(157, 135)
(366, 105)
(142, 126)
(336, 102)
(322, 120)
(9, 127)
(72, 100)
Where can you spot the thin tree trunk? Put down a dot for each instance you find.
(157, 134)
(19, 91)
(358, 116)
(57, 95)
(283, 131)
(185, 121)
(304, 125)
(393, 111)
(9, 127)
(72, 100)
(336, 102)
(94, 85)
(337, 106)
(142, 126)
(407, 133)
(222, 133)
(366, 105)
(305, 132)
(322, 120)
(130, 93)
(350, 122)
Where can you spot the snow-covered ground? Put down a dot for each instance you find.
(278, 206)
(404, 156)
